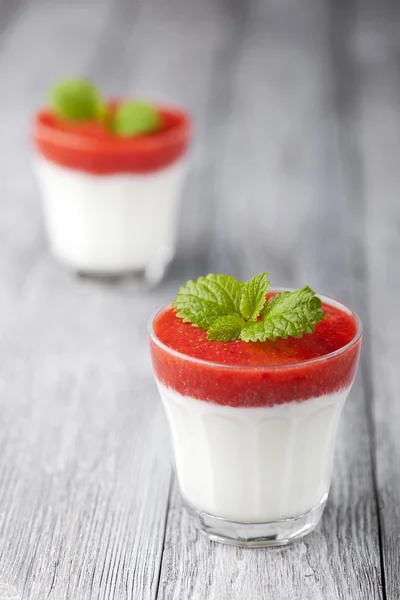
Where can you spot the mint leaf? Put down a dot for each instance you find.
(226, 329)
(203, 301)
(136, 118)
(253, 296)
(77, 100)
(232, 289)
(286, 314)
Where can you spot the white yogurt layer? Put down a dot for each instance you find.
(111, 224)
(253, 465)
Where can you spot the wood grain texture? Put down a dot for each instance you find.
(297, 126)
(376, 52)
(84, 475)
(282, 164)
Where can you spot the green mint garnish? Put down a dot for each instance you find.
(230, 310)
(77, 100)
(80, 100)
(136, 118)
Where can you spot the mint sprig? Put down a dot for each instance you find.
(230, 310)
(77, 100)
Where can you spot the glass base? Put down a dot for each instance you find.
(146, 278)
(257, 535)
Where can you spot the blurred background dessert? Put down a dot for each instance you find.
(110, 175)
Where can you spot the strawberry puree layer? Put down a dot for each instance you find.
(91, 148)
(256, 374)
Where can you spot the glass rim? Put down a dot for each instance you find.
(267, 367)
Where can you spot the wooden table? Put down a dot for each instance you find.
(295, 170)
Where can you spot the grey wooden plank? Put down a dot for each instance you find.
(119, 27)
(85, 476)
(283, 205)
(10, 12)
(84, 482)
(376, 52)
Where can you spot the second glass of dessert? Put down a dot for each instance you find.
(253, 382)
(110, 174)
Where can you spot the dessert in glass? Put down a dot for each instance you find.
(111, 175)
(253, 423)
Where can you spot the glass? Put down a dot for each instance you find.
(256, 476)
(111, 204)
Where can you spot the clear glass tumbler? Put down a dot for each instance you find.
(255, 476)
(111, 204)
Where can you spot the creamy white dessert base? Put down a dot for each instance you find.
(253, 465)
(110, 224)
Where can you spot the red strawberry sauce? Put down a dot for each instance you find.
(92, 148)
(261, 373)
